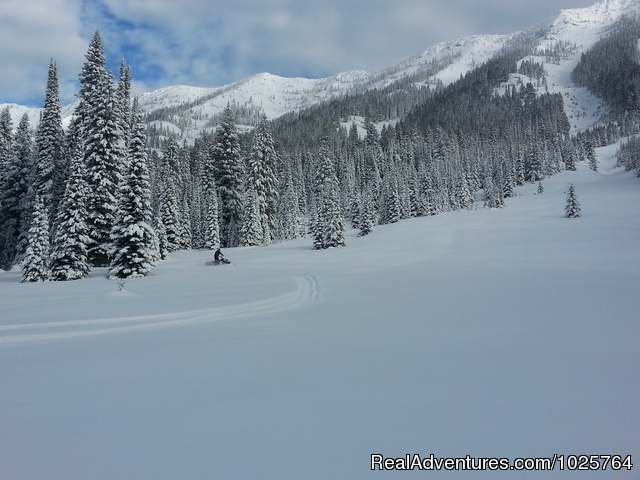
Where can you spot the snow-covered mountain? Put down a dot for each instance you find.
(189, 110)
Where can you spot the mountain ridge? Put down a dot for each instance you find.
(187, 111)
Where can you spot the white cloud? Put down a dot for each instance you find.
(32, 33)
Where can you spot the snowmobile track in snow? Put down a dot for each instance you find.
(307, 291)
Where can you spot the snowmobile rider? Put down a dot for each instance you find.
(218, 256)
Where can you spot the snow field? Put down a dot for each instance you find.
(493, 333)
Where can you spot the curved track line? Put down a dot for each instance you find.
(307, 291)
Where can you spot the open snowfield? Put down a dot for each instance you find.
(491, 333)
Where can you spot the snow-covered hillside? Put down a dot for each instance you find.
(580, 27)
(507, 333)
(197, 108)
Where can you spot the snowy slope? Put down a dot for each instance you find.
(582, 27)
(274, 96)
(492, 333)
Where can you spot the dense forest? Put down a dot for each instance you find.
(114, 191)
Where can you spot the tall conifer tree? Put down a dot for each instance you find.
(50, 164)
(15, 198)
(70, 256)
(261, 179)
(229, 171)
(102, 149)
(6, 140)
(35, 266)
(134, 241)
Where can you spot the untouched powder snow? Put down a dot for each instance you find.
(492, 333)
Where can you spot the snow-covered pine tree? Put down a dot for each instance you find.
(569, 155)
(184, 217)
(169, 212)
(334, 222)
(418, 207)
(289, 221)
(69, 255)
(124, 111)
(328, 230)
(390, 210)
(15, 204)
(507, 181)
(353, 209)
(251, 231)
(169, 201)
(50, 164)
(533, 164)
(261, 179)
(590, 155)
(316, 228)
(229, 172)
(367, 215)
(198, 213)
(212, 225)
(211, 210)
(572, 208)
(133, 238)
(429, 194)
(6, 140)
(461, 190)
(35, 266)
(103, 149)
(492, 195)
(161, 235)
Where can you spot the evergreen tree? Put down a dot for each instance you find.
(570, 159)
(50, 165)
(261, 179)
(591, 157)
(70, 256)
(103, 149)
(134, 240)
(533, 165)
(15, 205)
(572, 208)
(212, 227)
(429, 193)
(462, 192)
(35, 266)
(390, 208)
(169, 196)
(6, 140)
(289, 218)
(290, 224)
(229, 173)
(161, 234)
(492, 194)
(251, 231)
(169, 213)
(367, 216)
(316, 228)
(329, 223)
(124, 110)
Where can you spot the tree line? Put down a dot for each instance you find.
(115, 191)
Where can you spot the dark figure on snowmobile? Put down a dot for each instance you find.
(218, 257)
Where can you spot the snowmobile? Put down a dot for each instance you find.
(219, 262)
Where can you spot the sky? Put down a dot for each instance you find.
(211, 43)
